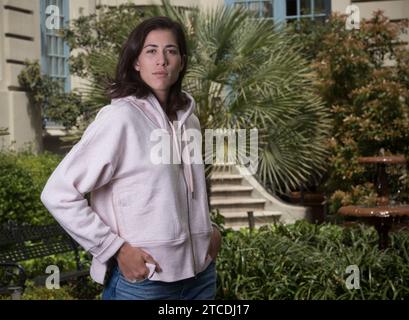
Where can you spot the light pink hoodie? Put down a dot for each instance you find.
(160, 208)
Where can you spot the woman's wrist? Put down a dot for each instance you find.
(215, 226)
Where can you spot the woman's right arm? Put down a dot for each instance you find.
(89, 165)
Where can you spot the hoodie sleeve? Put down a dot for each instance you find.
(89, 165)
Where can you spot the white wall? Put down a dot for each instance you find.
(20, 40)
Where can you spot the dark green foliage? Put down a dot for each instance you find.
(306, 261)
(48, 94)
(363, 78)
(22, 179)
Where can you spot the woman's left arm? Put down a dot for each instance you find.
(215, 243)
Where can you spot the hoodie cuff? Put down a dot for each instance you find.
(111, 246)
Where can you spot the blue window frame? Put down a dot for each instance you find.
(55, 51)
(307, 9)
(262, 9)
(287, 10)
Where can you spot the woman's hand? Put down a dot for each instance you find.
(131, 262)
(215, 243)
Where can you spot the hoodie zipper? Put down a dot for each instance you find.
(188, 205)
(156, 103)
(190, 232)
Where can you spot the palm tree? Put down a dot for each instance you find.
(245, 73)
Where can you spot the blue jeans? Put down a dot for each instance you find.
(201, 287)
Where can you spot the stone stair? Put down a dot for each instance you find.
(235, 193)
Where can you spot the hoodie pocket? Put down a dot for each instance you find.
(141, 218)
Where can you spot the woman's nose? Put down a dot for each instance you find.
(162, 60)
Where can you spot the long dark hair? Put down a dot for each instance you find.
(128, 81)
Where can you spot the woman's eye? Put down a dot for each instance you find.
(151, 51)
(173, 51)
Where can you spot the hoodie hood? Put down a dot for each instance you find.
(154, 111)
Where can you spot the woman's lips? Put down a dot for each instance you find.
(160, 74)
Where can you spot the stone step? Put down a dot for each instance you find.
(226, 179)
(260, 214)
(232, 204)
(222, 168)
(220, 191)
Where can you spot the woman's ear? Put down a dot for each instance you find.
(136, 66)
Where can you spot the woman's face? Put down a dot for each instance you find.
(159, 62)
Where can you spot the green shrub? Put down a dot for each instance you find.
(42, 293)
(22, 179)
(17, 199)
(32, 292)
(83, 288)
(368, 99)
(48, 95)
(360, 195)
(87, 289)
(300, 261)
(305, 261)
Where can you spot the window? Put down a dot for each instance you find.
(262, 9)
(306, 9)
(287, 10)
(54, 51)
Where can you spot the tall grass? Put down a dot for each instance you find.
(305, 261)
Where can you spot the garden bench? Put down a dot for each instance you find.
(21, 242)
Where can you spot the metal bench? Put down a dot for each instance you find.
(24, 242)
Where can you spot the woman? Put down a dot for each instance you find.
(148, 227)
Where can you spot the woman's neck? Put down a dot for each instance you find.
(162, 98)
(163, 101)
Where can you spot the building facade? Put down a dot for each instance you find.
(24, 34)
